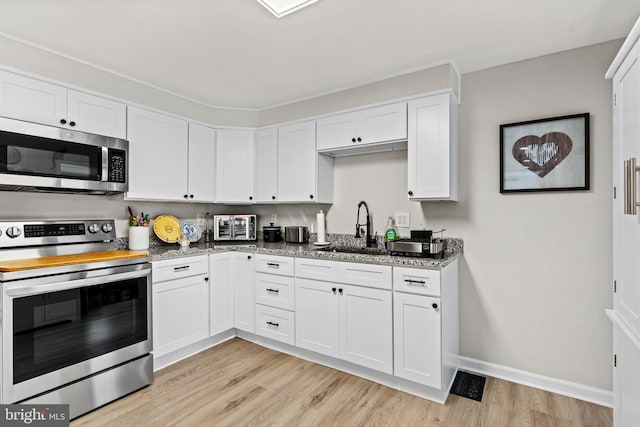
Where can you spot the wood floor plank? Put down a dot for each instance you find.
(238, 383)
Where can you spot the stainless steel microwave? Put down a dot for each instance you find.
(234, 227)
(36, 157)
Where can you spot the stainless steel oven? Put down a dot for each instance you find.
(76, 333)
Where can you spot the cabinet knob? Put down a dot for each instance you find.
(311, 196)
(206, 279)
(250, 197)
(359, 139)
(273, 197)
(353, 140)
(248, 256)
(410, 193)
(333, 290)
(63, 122)
(72, 123)
(434, 305)
(186, 197)
(340, 291)
(191, 196)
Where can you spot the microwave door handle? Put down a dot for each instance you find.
(21, 291)
(105, 164)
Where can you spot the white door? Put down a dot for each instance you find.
(201, 173)
(266, 169)
(417, 344)
(157, 156)
(386, 123)
(337, 131)
(627, 227)
(180, 313)
(93, 114)
(429, 152)
(220, 293)
(366, 327)
(317, 316)
(297, 158)
(243, 291)
(234, 166)
(32, 100)
(626, 380)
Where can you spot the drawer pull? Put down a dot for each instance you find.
(181, 268)
(411, 282)
(275, 291)
(270, 323)
(273, 264)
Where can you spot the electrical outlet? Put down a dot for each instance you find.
(402, 220)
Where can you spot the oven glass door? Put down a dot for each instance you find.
(43, 157)
(58, 329)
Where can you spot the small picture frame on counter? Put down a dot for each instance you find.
(549, 154)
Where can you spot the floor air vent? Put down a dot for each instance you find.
(468, 385)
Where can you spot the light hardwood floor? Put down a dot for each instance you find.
(239, 383)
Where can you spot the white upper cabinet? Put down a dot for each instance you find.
(297, 163)
(33, 100)
(201, 173)
(158, 159)
(361, 128)
(432, 148)
(266, 166)
(234, 166)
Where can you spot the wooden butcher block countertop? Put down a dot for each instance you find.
(58, 260)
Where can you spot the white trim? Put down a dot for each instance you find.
(118, 74)
(628, 44)
(620, 324)
(554, 385)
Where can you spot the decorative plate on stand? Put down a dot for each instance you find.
(167, 228)
(190, 230)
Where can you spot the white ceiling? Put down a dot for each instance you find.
(234, 53)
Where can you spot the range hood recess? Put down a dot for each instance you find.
(378, 147)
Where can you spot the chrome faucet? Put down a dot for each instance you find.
(371, 241)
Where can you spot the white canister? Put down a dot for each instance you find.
(138, 238)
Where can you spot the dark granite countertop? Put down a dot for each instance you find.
(306, 250)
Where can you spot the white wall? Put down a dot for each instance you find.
(537, 268)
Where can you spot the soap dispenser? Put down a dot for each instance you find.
(391, 232)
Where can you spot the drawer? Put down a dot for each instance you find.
(416, 281)
(274, 264)
(374, 276)
(317, 269)
(177, 268)
(275, 324)
(275, 291)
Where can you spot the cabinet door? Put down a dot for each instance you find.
(157, 156)
(234, 166)
(297, 159)
(431, 149)
(380, 124)
(317, 321)
(220, 293)
(337, 131)
(417, 345)
(97, 115)
(366, 327)
(266, 170)
(180, 313)
(243, 291)
(201, 173)
(626, 227)
(626, 381)
(32, 100)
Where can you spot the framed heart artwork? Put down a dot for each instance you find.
(545, 155)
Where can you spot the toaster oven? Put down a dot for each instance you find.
(234, 227)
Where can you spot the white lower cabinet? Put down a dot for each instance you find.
(243, 291)
(417, 339)
(275, 323)
(180, 303)
(220, 292)
(353, 323)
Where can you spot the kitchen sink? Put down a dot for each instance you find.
(355, 250)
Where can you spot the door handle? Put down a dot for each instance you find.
(631, 187)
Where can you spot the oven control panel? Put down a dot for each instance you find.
(38, 233)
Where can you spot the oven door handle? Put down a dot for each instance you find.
(21, 291)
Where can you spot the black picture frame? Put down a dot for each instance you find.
(550, 154)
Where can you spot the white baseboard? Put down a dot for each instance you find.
(554, 385)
